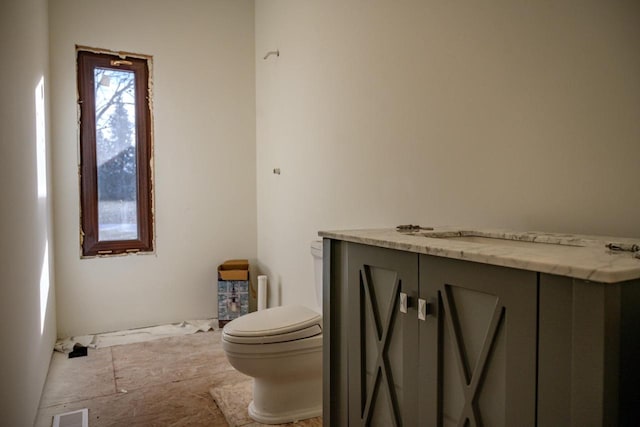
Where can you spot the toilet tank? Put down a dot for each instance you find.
(316, 251)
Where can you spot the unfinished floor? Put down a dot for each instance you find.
(166, 382)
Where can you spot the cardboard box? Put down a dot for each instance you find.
(233, 290)
(234, 269)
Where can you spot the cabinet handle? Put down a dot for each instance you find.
(423, 308)
(403, 302)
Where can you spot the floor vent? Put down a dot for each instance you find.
(79, 418)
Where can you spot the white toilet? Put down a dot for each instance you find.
(281, 348)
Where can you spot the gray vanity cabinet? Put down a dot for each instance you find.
(477, 344)
(473, 357)
(422, 340)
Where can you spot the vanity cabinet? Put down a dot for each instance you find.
(419, 340)
(430, 341)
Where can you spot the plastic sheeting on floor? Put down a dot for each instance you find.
(109, 339)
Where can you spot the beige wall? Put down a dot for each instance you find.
(513, 114)
(27, 295)
(204, 112)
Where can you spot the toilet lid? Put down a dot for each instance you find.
(274, 325)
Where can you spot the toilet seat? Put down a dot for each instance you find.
(274, 325)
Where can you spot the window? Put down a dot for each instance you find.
(115, 153)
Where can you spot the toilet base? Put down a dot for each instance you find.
(279, 402)
(290, 417)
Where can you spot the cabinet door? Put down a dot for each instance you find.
(382, 340)
(478, 344)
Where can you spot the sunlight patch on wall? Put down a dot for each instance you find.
(41, 161)
(41, 149)
(44, 287)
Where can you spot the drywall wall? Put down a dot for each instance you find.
(27, 296)
(500, 113)
(204, 137)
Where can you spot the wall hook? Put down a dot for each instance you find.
(272, 52)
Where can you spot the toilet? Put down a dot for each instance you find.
(281, 348)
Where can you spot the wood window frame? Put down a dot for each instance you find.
(87, 60)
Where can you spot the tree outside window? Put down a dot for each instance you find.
(115, 144)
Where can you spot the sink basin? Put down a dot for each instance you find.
(506, 241)
(513, 239)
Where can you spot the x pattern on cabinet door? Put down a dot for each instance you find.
(471, 379)
(383, 372)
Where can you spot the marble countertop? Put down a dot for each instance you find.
(577, 256)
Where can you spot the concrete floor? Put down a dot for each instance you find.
(166, 382)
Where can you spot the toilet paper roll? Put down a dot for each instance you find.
(262, 292)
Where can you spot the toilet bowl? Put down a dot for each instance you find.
(281, 348)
